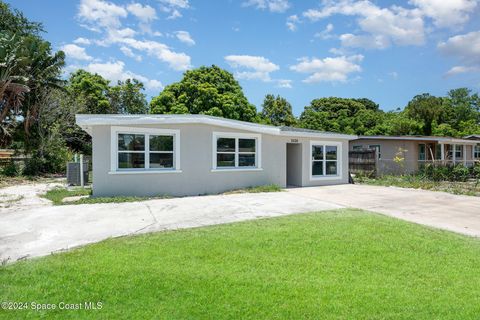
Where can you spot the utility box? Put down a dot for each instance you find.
(73, 173)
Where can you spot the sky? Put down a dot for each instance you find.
(387, 51)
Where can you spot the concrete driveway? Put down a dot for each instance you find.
(39, 231)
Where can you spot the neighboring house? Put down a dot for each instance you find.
(417, 150)
(151, 155)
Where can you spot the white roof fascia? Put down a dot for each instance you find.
(86, 121)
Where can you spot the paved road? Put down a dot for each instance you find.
(39, 231)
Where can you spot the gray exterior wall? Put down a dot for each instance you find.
(196, 162)
(389, 149)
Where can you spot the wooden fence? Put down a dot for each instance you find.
(363, 161)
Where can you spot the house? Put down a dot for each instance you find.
(416, 151)
(150, 155)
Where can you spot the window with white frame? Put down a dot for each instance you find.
(376, 147)
(236, 151)
(476, 152)
(139, 150)
(325, 159)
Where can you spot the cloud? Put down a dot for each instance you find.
(395, 24)
(101, 13)
(173, 7)
(105, 17)
(256, 67)
(144, 13)
(185, 37)
(393, 74)
(284, 83)
(326, 33)
(364, 41)
(464, 47)
(83, 41)
(270, 5)
(446, 13)
(115, 71)
(73, 51)
(129, 53)
(292, 22)
(330, 69)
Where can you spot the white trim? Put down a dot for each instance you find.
(115, 130)
(151, 171)
(86, 121)
(236, 169)
(339, 146)
(236, 136)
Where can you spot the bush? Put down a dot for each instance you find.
(460, 173)
(10, 170)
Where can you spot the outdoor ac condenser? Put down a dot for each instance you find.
(73, 173)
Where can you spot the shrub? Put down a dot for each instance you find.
(460, 173)
(10, 170)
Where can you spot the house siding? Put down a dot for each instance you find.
(196, 177)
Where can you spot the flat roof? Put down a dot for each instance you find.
(441, 140)
(86, 121)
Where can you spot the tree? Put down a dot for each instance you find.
(278, 111)
(91, 90)
(127, 97)
(461, 106)
(426, 109)
(354, 116)
(206, 90)
(14, 22)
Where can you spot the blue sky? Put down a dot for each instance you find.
(387, 51)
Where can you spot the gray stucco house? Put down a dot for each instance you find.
(418, 150)
(149, 155)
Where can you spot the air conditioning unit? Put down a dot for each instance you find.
(73, 173)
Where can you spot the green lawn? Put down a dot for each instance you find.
(344, 264)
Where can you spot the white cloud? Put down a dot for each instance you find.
(466, 48)
(256, 67)
(75, 52)
(446, 13)
(145, 13)
(83, 41)
(284, 83)
(336, 69)
(393, 74)
(115, 71)
(173, 7)
(292, 22)
(396, 24)
(325, 33)
(364, 41)
(270, 5)
(102, 13)
(185, 37)
(129, 53)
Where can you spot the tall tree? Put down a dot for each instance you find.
(278, 111)
(127, 97)
(92, 90)
(206, 90)
(427, 109)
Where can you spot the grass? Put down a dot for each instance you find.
(470, 188)
(56, 195)
(343, 264)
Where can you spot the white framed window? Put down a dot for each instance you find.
(144, 150)
(376, 147)
(325, 160)
(357, 147)
(236, 151)
(476, 152)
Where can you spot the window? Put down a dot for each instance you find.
(458, 151)
(138, 149)
(476, 152)
(325, 160)
(236, 151)
(358, 147)
(421, 151)
(376, 147)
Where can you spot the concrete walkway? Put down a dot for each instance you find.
(39, 231)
